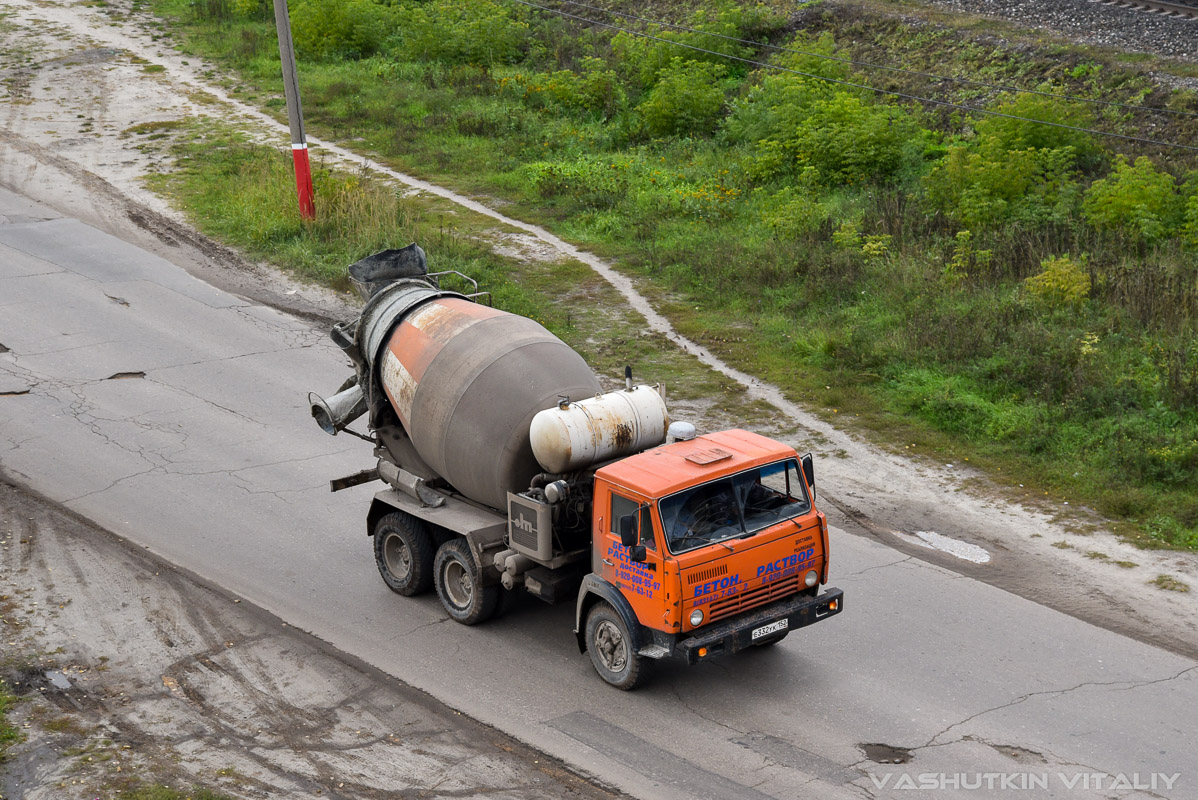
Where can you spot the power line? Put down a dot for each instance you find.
(884, 67)
(851, 84)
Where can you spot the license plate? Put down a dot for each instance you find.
(773, 627)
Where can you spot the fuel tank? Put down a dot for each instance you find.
(574, 435)
(466, 381)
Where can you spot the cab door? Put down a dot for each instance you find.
(639, 582)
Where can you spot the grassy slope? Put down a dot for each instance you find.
(929, 342)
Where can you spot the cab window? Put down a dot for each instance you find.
(622, 506)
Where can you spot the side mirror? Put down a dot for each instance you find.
(809, 471)
(629, 534)
(637, 554)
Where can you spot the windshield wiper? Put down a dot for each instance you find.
(704, 539)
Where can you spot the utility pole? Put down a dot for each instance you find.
(295, 115)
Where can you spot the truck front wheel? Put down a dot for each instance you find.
(612, 649)
(403, 550)
(459, 585)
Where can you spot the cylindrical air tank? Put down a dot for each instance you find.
(575, 435)
(466, 381)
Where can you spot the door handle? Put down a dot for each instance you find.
(609, 563)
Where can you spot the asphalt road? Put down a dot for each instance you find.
(175, 414)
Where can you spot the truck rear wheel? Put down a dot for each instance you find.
(612, 649)
(403, 550)
(459, 584)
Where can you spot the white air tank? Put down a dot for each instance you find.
(575, 435)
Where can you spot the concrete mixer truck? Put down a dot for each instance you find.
(509, 469)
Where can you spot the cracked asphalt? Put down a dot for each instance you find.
(205, 455)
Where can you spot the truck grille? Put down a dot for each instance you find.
(704, 575)
(754, 597)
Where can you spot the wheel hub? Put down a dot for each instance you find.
(611, 647)
(458, 584)
(397, 556)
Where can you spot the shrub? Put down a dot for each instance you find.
(844, 138)
(984, 187)
(252, 9)
(1134, 199)
(592, 182)
(340, 28)
(1063, 283)
(463, 31)
(790, 214)
(596, 89)
(1190, 228)
(644, 61)
(997, 134)
(686, 99)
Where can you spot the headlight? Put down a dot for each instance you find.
(697, 617)
(812, 578)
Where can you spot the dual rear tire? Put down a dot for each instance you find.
(410, 563)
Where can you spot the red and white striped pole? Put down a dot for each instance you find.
(295, 115)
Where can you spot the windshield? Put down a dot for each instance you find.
(735, 506)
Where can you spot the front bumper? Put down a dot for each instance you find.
(736, 634)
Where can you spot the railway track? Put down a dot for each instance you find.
(1155, 7)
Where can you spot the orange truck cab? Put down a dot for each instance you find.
(701, 548)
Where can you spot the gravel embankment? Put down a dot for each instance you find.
(1094, 24)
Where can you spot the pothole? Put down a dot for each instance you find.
(1021, 754)
(121, 376)
(886, 753)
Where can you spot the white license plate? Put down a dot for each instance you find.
(773, 627)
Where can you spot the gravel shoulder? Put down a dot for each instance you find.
(1099, 24)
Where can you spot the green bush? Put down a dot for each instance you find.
(686, 99)
(780, 100)
(790, 213)
(1062, 284)
(592, 182)
(463, 31)
(986, 187)
(340, 28)
(1015, 169)
(1190, 227)
(596, 89)
(252, 9)
(847, 140)
(643, 61)
(1002, 133)
(1135, 199)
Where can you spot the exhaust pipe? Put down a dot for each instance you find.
(341, 409)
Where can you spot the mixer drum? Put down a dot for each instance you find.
(466, 381)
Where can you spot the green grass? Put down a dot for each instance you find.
(244, 194)
(9, 735)
(1170, 584)
(868, 291)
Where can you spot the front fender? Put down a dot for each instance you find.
(594, 589)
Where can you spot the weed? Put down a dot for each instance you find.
(1169, 584)
(1062, 545)
(9, 735)
(1127, 564)
(1097, 555)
